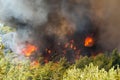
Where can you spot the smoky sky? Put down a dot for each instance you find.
(36, 19)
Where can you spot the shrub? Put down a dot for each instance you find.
(91, 72)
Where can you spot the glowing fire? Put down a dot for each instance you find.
(29, 49)
(89, 42)
(48, 51)
(34, 64)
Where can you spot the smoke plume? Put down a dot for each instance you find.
(107, 17)
(49, 23)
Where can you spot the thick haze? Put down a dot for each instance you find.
(107, 13)
(38, 20)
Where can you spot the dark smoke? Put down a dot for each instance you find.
(47, 23)
(107, 17)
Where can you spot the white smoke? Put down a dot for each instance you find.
(26, 11)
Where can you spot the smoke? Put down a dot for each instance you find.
(24, 11)
(47, 23)
(107, 17)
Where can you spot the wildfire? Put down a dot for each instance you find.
(48, 51)
(34, 64)
(29, 50)
(89, 41)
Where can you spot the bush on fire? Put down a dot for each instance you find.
(102, 67)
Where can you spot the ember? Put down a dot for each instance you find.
(48, 51)
(89, 42)
(29, 49)
(34, 64)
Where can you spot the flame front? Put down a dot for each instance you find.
(89, 42)
(29, 49)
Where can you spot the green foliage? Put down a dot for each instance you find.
(91, 72)
(5, 29)
(101, 67)
(83, 61)
(26, 71)
(115, 58)
(62, 70)
(102, 60)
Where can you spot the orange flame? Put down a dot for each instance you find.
(89, 42)
(28, 51)
(34, 64)
(48, 51)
